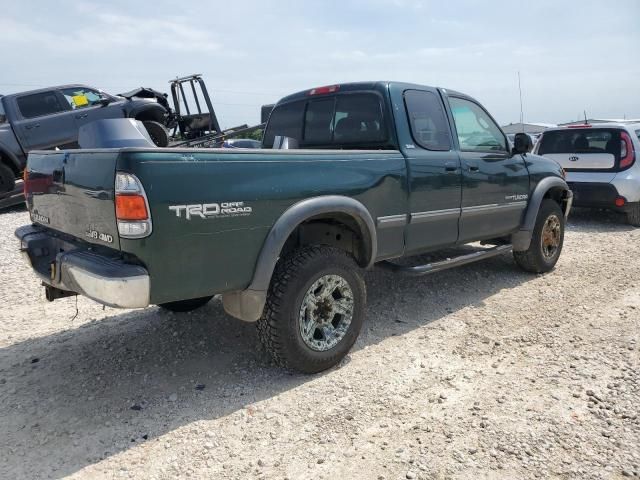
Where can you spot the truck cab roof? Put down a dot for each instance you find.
(47, 89)
(379, 85)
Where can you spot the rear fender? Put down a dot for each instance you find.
(248, 304)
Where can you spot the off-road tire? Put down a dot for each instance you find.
(533, 260)
(157, 132)
(633, 215)
(181, 306)
(7, 179)
(279, 328)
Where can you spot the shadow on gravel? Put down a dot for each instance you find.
(81, 395)
(15, 208)
(597, 221)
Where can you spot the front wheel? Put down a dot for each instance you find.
(546, 240)
(315, 309)
(159, 135)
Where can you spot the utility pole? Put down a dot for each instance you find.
(521, 111)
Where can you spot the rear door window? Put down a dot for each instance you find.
(429, 126)
(581, 140)
(339, 121)
(40, 104)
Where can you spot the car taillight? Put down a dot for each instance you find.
(627, 152)
(132, 207)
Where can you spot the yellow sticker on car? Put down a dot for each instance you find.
(80, 100)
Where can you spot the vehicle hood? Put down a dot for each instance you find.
(538, 163)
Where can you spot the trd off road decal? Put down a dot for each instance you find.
(211, 210)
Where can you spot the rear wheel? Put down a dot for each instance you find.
(314, 310)
(186, 305)
(546, 241)
(157, 132)
(633, 215)
(7, 179)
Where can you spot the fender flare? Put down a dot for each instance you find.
(522, 238)
(248, 304)
(158, 110)
(12, 160)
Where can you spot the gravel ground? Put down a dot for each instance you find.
(479, 372)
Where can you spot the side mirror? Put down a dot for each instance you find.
(522, 143)
(104, 101)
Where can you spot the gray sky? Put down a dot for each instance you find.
(572, 55)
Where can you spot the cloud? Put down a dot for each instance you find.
(110, 32)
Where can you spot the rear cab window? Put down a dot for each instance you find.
(341, 121)
(40, 104)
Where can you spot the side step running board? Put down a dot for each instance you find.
(418, 270)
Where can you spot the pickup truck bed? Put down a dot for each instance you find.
(283, 234)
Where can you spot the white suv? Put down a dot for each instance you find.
(601, 164)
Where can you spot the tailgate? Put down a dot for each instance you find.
(590, 161)
(73, 192)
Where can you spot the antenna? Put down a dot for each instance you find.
(521, 113)
(585, 118)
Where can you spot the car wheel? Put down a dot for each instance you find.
(633, 215)
(546, 241)
(315, 309)
(157, 132)
(7, 179)
(186, 305)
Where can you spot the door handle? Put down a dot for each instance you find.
(472, 166)
(451, 167)
(29, 127)
(85, 115)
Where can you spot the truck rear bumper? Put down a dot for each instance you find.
(63, 265)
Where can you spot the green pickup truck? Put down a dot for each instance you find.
(349, 176)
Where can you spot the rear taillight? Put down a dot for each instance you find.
(25, 179)
(132, 207)
(627, 152)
